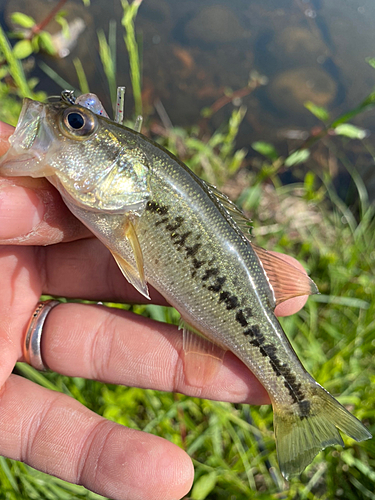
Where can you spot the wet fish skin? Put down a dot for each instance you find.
(118, 182)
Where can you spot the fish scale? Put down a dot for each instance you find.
(166, 227)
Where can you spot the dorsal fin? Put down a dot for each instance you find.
(228, 208)
(287, 281)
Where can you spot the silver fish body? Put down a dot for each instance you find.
(167, 227)
(205, 268)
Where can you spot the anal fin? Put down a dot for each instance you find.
(202, 358)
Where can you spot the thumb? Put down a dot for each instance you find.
(5, 132)
(32, 211)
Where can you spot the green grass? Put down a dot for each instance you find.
(232, 446)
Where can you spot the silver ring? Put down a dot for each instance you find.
(31, 346)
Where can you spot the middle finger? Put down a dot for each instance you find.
(120, 347)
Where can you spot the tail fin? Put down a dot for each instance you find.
(300, 436)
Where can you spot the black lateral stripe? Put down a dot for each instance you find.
(217, 286)
(241, 318)
(269, 350)
(192, 251)
(153, 206)
(210, 272)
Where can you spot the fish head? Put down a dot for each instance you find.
(93, 161)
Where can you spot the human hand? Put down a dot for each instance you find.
(45, 250)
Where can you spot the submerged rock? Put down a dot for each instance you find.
(215, 24)
(297, 45)
(291, 89)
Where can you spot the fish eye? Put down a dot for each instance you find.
(75, 120)
(78, 122)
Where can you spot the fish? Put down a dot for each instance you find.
(167, 228)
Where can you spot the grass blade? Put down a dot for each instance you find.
(15, 67)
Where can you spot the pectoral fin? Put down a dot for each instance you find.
(132, 275)
(135, 275)
(286, 280)
(202, 358)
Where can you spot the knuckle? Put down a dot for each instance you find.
(93, 453)
(102, 347)
(36, 432)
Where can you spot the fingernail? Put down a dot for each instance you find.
(21, 211)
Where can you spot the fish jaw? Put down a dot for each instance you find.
(29, 144)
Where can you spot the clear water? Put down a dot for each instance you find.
(195, 52)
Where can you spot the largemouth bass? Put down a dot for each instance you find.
(166, 227)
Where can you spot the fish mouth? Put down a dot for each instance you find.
(29, 143)
(29, 123)
(15, 164)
